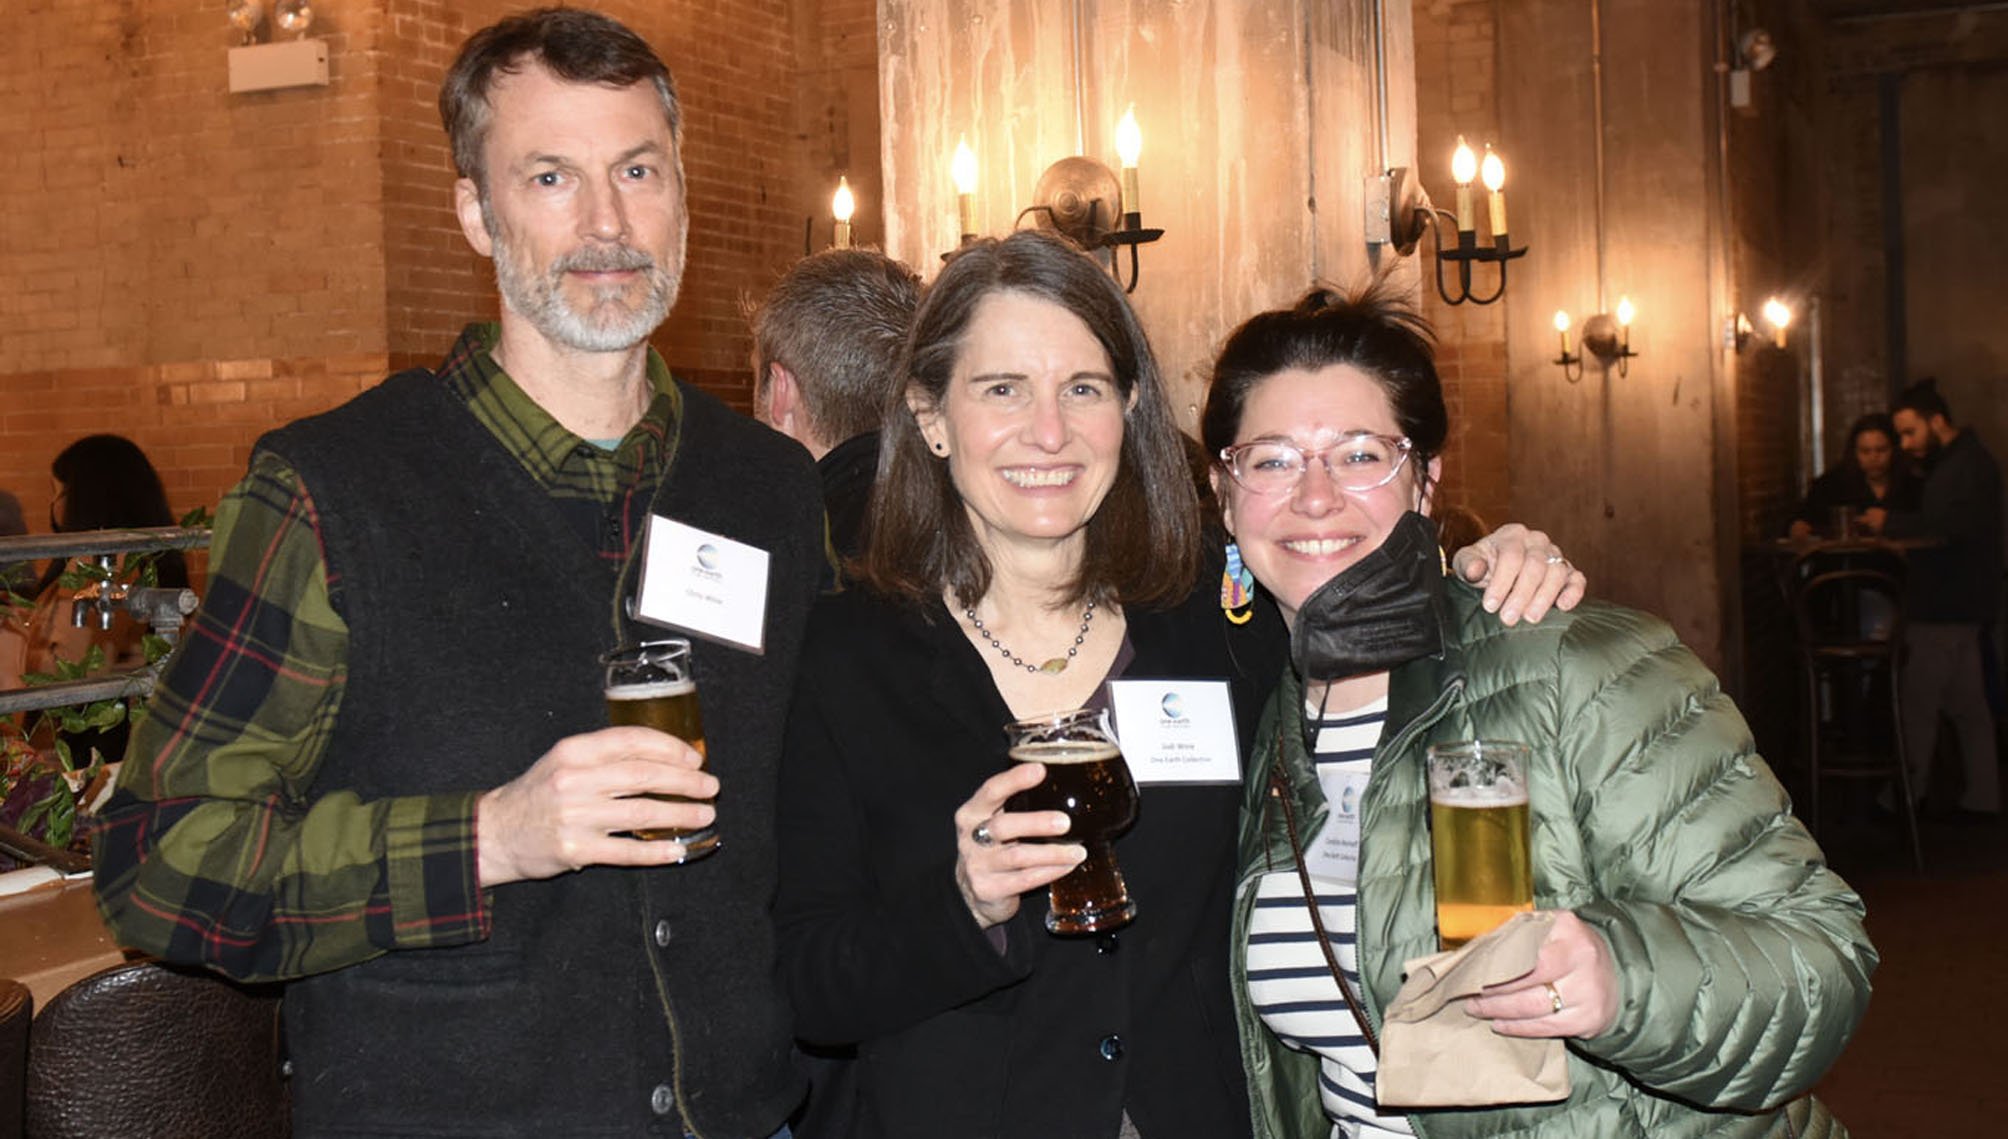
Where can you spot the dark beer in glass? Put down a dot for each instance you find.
(1086, 778)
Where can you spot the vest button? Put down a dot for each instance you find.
(1111, 1047)
(662, 933)
(662, 1100)
(1106, 944)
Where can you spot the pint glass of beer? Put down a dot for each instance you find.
(1478, 836)
(651, 685)
(1087, 778)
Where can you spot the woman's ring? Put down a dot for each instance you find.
(1554, 997)
(1556, 558)
(981, 837)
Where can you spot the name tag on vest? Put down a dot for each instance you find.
(1176, 731)
(702, 583)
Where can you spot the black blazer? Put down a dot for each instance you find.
(895, 723)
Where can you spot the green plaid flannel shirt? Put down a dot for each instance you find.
(209, 850)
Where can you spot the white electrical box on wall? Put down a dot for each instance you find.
(287, 63)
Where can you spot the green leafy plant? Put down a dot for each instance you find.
(30, 740)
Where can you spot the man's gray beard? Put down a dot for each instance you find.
(610, 326)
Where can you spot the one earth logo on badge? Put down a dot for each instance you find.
(1349, 801)
(1172, 706)
(707, 556)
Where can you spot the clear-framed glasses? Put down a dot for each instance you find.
(1360, 461)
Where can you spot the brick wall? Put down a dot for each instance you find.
(190, 268)
(1455, 78)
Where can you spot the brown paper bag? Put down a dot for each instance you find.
(1435, 1054)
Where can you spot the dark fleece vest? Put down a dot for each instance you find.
(608, 1001)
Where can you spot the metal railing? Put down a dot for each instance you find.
(161, 610)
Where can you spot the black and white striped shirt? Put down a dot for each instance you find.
(1288, 981)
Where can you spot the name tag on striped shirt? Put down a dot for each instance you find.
(1335, 854)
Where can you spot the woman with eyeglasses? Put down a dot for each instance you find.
(1703, 964)
(1034, 533)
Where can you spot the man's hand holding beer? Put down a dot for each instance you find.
(992, 874)
(570, 808)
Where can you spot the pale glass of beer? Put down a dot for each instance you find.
(1479, 836)
(651, 685)
(1087, 778)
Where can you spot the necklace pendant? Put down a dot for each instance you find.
(1055, 666)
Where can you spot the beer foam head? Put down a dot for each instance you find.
(1501, 794)
(1065, 751)
(651, 690)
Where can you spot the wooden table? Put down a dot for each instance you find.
(51, 936)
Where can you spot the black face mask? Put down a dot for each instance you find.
(1382, 611)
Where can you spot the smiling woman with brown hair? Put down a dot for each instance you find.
(1702, 963)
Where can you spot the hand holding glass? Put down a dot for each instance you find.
(651, 685)
(1088, 780)
(1479, 836)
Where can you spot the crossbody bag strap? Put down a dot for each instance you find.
(1279, 793)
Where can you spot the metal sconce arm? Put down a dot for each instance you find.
(1466, 252)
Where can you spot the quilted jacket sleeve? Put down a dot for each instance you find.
(1743, 965)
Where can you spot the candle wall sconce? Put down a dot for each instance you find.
(270, 66)
(1606, 336)
(1737, 331)
(1081, 199)
(1778, 315)
(842, 205)
(1572, 363)
(1409, 214)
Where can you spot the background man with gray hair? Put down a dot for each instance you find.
(826, 345)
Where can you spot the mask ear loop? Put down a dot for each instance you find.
(1422, 500)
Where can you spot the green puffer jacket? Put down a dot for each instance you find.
(1742, 963)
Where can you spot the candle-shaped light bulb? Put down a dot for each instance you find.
(963, 171)
(1493, 172)
(1625, 315)
(1779, 314)
(1463, 163)
(1562, 329)
(1129, 148)
(842, 205)
(1463, 168)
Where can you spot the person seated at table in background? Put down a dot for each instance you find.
(1703, 964)
(1868, 475)
(103, 482)
(1034, 504)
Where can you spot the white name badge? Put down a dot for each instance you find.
(1334, 854)
(702, 583)
(1176, 731)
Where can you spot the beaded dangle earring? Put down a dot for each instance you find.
(1237, 588)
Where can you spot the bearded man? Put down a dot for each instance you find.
(1953, 595)
(379, 767)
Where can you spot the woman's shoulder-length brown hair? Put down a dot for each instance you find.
(1142, 543)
